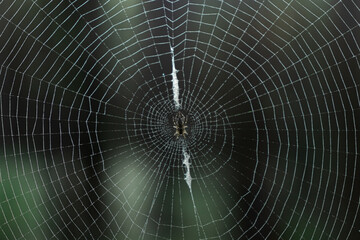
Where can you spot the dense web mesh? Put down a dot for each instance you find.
(270, 95)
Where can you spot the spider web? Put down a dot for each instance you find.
(270, 90)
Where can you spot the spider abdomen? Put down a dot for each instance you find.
(180, 122)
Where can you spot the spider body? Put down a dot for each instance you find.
(180, 122)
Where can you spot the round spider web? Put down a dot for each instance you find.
(270, 94)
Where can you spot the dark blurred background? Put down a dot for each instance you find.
(271, 91)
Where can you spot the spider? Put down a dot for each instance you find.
(180, 122)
